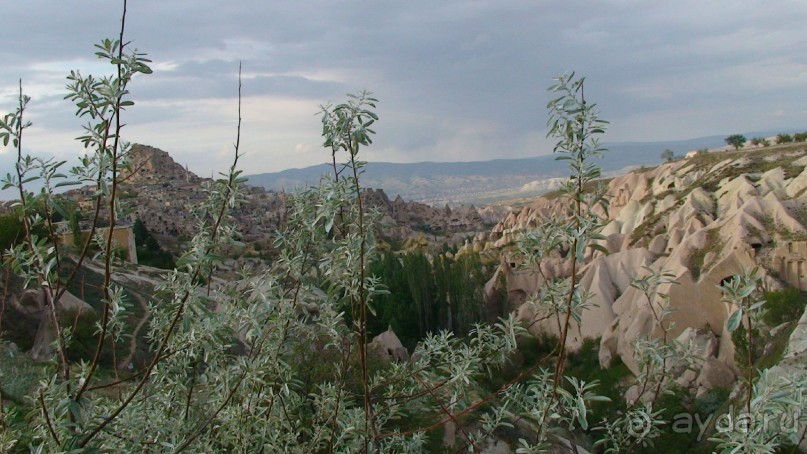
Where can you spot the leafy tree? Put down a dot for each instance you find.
(667, 155)
(735, 140)
(784, 138)
(463, 282)
(800, 137)
(149, 251)
(759, 141)
(427, 295)
(395, 308)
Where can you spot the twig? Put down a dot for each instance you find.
(447, 412)
(20, 127)
(47, 419)
(473, 407)
(112, 219)
(183, 301)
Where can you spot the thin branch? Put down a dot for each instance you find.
(47, 419)
(112, 208)
(43, 278)
(524, 374)
(182, 302)
(447, 412)
(201, 426)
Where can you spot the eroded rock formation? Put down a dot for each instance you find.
(702, 220)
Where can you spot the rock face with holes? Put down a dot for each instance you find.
(702, 220)
(163, 193)
(389, 347)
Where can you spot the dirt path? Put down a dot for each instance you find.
(126, 363)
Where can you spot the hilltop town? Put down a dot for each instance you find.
(162, 194)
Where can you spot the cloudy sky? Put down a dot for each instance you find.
(456, 79)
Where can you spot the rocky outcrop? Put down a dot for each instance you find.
(163, 193)
(389, 347)
(31, 309)
(147, 164)
(701, 220)
(405, 221)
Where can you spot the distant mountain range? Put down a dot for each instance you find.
(485, 181)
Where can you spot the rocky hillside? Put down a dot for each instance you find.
(162, 194)
(416, 223)
(702, 219)
(152, 165)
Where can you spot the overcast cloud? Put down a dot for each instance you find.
(457, 80)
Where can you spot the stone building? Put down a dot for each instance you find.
(788, 260)
(122, 239)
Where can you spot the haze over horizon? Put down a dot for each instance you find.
(456, 80)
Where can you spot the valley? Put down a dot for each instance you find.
(699, 220)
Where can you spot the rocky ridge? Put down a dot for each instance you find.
(702, 219)
(162, 194)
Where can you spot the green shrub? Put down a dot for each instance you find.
(149, 251)
(784, 138)
(782, 306)
(585, 365)
(11, 230)
(20, 374)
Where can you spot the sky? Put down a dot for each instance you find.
(457, 80)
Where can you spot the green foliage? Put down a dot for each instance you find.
(783, 138)
(667, 155)
(739, 337)
(678, 404)
(149, 251)
(426, 296)
(459, 283)
(398, 308)
(12, 230)
(735, 140)
(695, 261)
(83, 330)
(744, 292)
(585, 365)
(766, 420)
(769, 399)
(760, 141)
(783, 306)
(19, 375)
(532, 351)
